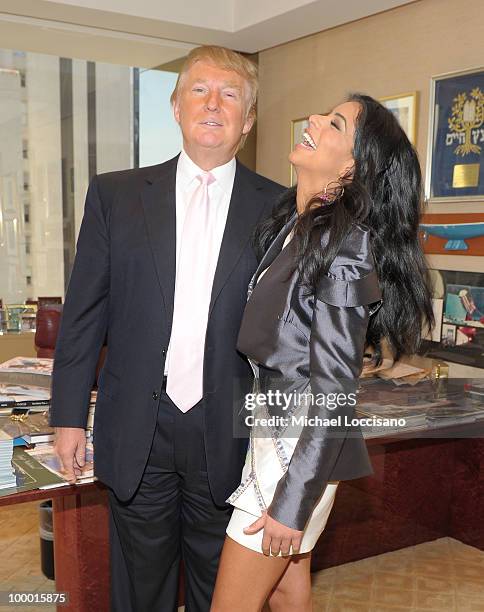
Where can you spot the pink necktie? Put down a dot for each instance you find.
(194, 279)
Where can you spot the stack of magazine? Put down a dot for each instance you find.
(31, 429)
(23, 398)
(24, 422)
(27, 371)
(46, 456)
(7, 474)
(425, 405)
(25, 389)
(27, 469)
(30, 474)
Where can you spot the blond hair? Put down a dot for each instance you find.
(225, 59)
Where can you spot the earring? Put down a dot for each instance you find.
(325, 196)
(332, 194)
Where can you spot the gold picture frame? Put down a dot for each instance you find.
(297, 128)
(455, 148)
(404, 107)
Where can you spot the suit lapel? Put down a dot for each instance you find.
(159, 205)
(245, 211)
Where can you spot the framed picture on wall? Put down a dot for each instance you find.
(404, 107)
(456, 137)
(297, 130)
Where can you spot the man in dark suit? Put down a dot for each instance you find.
(163, 261)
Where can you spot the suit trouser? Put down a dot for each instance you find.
(172, 516)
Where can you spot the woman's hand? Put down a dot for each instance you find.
(277, 537)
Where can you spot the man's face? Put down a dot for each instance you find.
(211, 109)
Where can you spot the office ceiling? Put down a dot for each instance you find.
(151, 32)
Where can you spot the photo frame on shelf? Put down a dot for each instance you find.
(297, 129)
(448, 333)
(456, 137)
(404, 107)
(459, 328)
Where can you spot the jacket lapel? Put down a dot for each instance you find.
(159, 205)
(245, 211)
(272, 252)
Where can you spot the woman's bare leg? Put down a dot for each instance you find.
(293, 591)
(245, 578)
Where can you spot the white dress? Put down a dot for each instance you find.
(267, 460)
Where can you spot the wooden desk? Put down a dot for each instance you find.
(422, 489)
(81, 543)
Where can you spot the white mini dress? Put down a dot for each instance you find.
(267, 460)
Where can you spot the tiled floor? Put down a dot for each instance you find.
(20, 554)
(444, 575)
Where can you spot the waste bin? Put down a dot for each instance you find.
(46, 531)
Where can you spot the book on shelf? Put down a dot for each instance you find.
(27, 371)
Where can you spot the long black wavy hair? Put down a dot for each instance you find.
(384, 192)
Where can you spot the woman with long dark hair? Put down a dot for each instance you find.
(341, 269)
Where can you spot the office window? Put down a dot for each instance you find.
(63, 120)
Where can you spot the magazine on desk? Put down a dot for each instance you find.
(33, 428)
(46, 456)
(39, 468)
(29, 474)
(27, 371)
(14, 395)
(387, 409)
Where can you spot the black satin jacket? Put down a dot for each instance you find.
(316, 339)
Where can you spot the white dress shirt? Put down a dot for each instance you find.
(219, 192)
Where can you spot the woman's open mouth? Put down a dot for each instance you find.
(308, 142)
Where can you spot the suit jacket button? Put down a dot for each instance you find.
(155, 395)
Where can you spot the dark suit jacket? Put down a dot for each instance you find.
(299, 337)
(122, 287)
